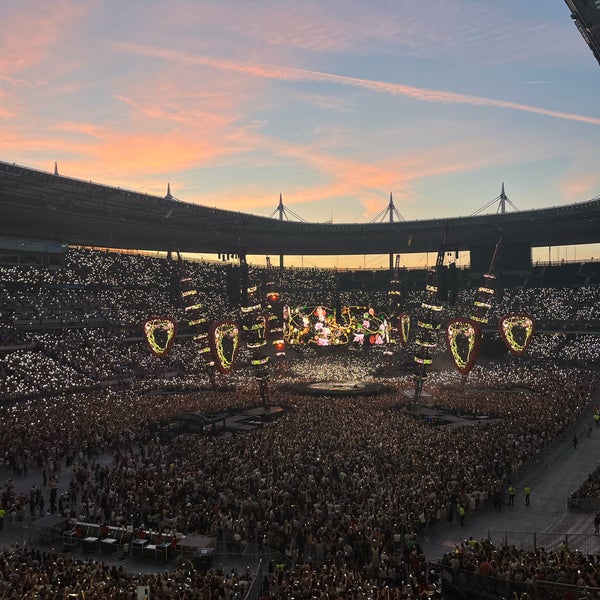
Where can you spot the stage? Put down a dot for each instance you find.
(338, 388)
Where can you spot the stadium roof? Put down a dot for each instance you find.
(586, 15)
(40, 205)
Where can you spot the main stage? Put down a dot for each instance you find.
(338, 388)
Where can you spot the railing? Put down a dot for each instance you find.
(255, 588)
(586, 543)
(491, 588)
(246, 549)
(584, 504)
(45, 537)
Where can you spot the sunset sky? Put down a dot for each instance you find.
(334, 104)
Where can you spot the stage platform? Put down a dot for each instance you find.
(338, 388)
(252, 419)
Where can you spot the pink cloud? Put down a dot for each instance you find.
(577, 188)
(282, 73)
(31, 29)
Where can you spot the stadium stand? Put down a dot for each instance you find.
(342, 488)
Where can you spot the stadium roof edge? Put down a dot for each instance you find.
(42, 205)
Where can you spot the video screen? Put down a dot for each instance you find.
(323, 326)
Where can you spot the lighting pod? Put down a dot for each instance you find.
(224, 342)
(464, 341)
(516, 331)
(160, 333)
(404, 328)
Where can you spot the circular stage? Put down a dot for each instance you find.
(338, 388)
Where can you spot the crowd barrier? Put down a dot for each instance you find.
(586, 543)
(465, 584)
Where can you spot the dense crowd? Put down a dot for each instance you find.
(522, 566)
(590, 488)
(342, 486)
(334, 482)
(30, 574)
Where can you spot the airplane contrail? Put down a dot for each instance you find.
(281, 73)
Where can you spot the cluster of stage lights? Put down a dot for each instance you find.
(275, 319)
(394, 302)
(255, 326)
(428, 326)
(484, 298)
(197, 320)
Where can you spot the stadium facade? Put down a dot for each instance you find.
(45, 207)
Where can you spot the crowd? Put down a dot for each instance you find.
(339, 479)
(342, 486)
(30, 574)
(80, 325)
(590, 488)
(528, 567)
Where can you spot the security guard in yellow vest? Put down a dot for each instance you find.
(511, 495)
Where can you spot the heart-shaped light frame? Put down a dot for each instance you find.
(154, 324)
(403, 328)
(469, 329)
(506, 327)
(218, 331)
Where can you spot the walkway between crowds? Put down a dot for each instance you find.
(552, 478)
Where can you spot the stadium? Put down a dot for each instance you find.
(182, 420)
(234, 358)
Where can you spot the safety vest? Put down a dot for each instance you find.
(511, 490)
(527, 490)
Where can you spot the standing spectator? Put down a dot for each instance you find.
(597, 524)
(575, 441)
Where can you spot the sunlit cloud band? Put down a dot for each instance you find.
(281, 73)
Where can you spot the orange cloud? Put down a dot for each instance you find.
(123, 158)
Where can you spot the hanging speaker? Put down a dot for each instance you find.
(442, 283)
(452, 284)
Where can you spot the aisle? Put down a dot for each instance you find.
(550, 487)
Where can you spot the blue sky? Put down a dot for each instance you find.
(332, 104)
